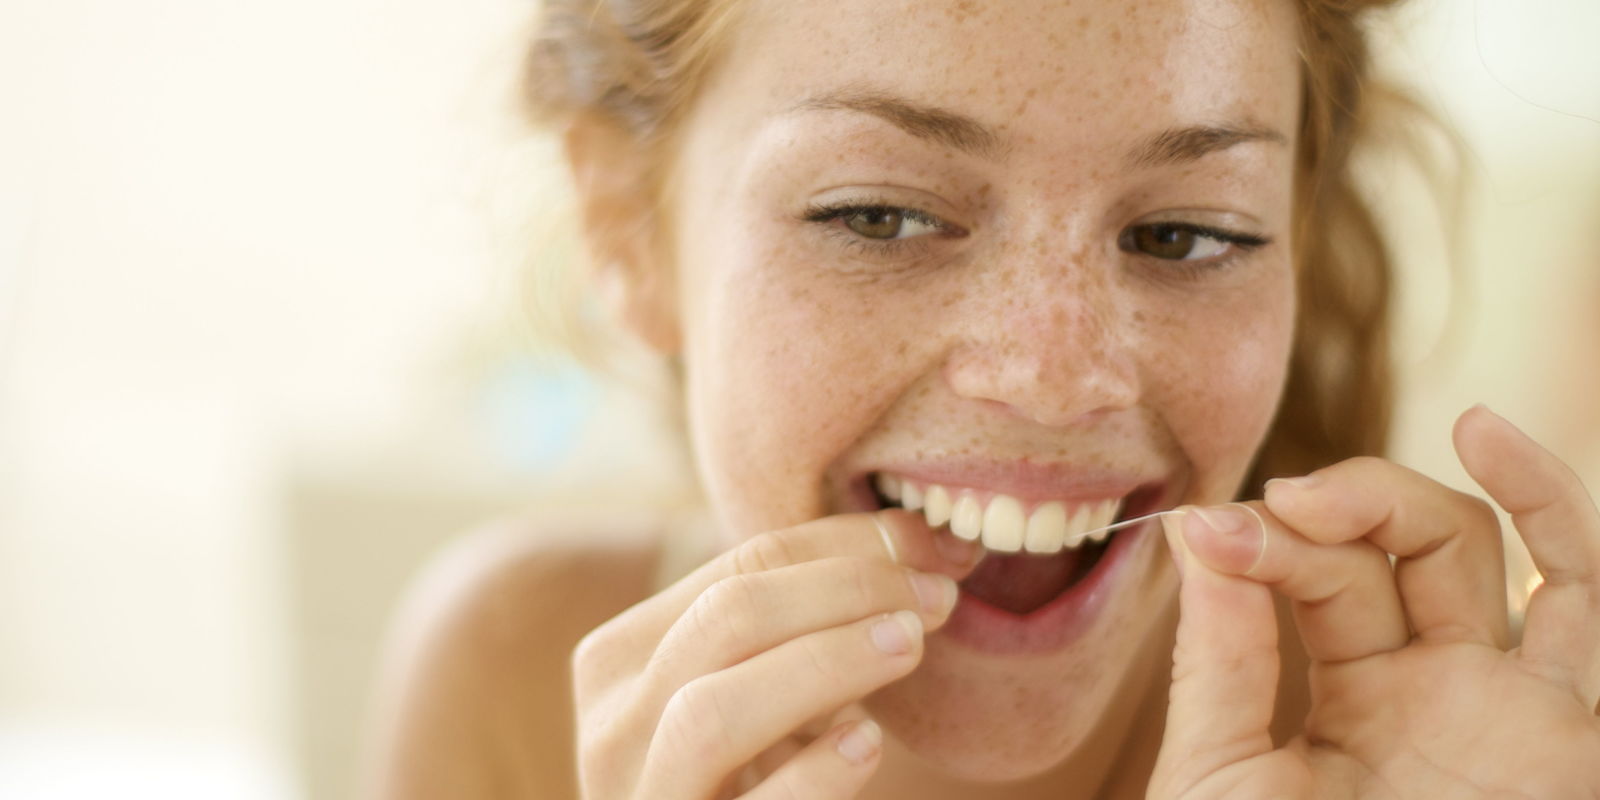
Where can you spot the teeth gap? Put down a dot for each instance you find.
(883, 502)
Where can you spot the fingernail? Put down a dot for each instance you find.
(893, 634)
(1220, 519)
(861, 743)
(1302, 483)
(1169, 528)
(936, 593)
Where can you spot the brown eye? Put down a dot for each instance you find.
(875, 223)
(1183, 242)
(1164, 241)
(880, 224)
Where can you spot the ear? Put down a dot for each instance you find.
(611, 175)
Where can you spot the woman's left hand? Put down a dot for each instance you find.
(1414, 692)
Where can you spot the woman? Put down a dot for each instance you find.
(949, 285)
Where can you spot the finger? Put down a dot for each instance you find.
(1343, 595)
(1556, 517)
(717, 722)
(1450, 566)
(835, 766)
(857, 535)
(742, 615)
(1224, 671)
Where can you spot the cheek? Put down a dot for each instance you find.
(1221, 384)
(788, 366)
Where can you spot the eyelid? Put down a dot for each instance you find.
(1247, 241)
(1240, 245)
(828, 217)
(828, 211)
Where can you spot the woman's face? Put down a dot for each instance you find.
(1032, 248)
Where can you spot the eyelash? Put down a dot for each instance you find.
(1243, 244)
(824, 214)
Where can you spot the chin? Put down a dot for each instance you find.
(1009, 734)
(967, 752)
(981, 718)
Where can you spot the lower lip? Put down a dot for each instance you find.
(1056, 624)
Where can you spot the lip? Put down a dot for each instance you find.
(978, 626)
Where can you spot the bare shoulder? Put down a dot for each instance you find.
(474, 696)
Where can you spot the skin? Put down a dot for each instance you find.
(1033, 337)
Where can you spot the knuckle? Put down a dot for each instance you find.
(721, 613)
(588, 649)
(599, 744)
(820, 662)
(762, 553)
(865, 580)
(1569, 482)
(1366, 463)
(788, 785)
(1366, 550)
(1368, 560)
(1479, 510)
(615, 732)
(693, 722)
(588, 659)
(669, 651)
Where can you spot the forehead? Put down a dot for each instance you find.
(1037, 71)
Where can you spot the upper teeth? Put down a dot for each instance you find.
(1002, 523)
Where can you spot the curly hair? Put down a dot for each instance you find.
(638, 63)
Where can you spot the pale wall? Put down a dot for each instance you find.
(252, 371)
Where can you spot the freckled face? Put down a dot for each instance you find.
(857, 292)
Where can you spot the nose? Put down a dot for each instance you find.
(1056, 350)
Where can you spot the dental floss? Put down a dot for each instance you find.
(1128, 523)
(1261, 552)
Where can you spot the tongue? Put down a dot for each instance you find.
(1021, 583)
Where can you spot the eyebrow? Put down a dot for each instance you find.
(924, 122)
(1181, 145)
(964, 133)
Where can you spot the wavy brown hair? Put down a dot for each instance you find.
(638, 63)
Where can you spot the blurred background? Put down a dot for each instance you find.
(264, 348)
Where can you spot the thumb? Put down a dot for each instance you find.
(1224, 670)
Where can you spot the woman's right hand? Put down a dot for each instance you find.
(704, 689)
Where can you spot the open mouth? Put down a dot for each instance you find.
(1037, 549)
